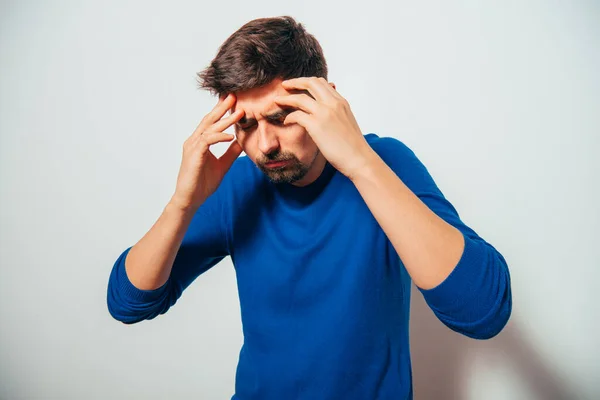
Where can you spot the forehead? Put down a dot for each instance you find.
(259, 101)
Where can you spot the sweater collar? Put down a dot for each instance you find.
(306, 194)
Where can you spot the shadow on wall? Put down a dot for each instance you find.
(439, 358)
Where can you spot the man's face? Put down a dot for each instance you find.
(285, 153)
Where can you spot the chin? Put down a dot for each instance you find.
(285, 175)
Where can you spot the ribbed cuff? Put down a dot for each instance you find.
(464, 280)
(130, 291)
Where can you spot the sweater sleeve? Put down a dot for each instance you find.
(475, 299)
(202, 247)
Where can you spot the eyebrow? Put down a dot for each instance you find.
(274, 116)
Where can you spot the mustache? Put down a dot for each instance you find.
(277, 156)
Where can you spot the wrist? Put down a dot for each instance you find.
(183, 208)
(367, 159)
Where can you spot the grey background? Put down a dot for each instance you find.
(499, 100)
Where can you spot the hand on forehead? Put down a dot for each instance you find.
(280, 92)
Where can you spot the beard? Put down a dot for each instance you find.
(293, 171)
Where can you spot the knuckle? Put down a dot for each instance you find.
(202, 145)
(210, 116)
(340, 105)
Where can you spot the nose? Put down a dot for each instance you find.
(267, 139)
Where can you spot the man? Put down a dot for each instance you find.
(326, 228)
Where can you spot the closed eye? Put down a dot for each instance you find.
(276, 122)
(275, 118)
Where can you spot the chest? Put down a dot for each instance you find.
(332, 247)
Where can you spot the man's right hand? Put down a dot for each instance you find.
(201, 172)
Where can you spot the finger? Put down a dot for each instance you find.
(299, 101)
(221, 108)
(300, 118)
(316, 86)
(215, 114)
(211, 138)
(225, 123)
(332, 90)
(232, 153)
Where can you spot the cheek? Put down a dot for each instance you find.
(295, 136)
(301, 144)
(302, 138)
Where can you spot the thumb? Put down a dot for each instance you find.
(232, 153)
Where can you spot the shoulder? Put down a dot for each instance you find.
(395, 153)
(243, 169)
(240, 182)
(389, 147)
(401, 159)
(236, 189)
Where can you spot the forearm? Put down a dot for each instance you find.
(428, 246)
(150, 260)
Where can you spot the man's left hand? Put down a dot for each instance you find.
(327, 118)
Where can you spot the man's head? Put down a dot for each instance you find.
(251, 63)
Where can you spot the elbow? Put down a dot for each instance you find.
(124, 310)
(485, 311)
(496, 317)
(125, 319)
(487, 327)
(493, 325)
(124, 314)
(130, 309)
(130, 305)
(502, 310)
(131, 313)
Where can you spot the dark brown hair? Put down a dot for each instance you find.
(260, 51)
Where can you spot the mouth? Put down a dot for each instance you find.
(276, 164)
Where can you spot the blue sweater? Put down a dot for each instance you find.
(324, 296)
